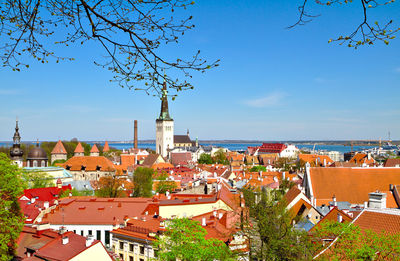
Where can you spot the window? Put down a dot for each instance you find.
(89, 232)
(98, 234)
(121, 245)
(43, 163)
(35, 164)
(81, 232)
(74, 231)
(107, 237)
(142, 250)
(121, 256)
(130, 258)
(131, 247)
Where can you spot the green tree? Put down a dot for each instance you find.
(258, 168)
(143, 182)
(37, 179)
(269, 230)
(164, 186)
(220, 157)
(366, 32)
(352, 243)
(11, 219)
(74, 193)
(110, 187)
(205, 159)
(185, 240)
(137, 29)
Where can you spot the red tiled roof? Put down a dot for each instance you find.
(392, 162)
(379, 220)
(351, 184)
(291, 194)
(272, 147)
(106, 147)
(79, 148)
(96, 211)
(333, 216)
(45, 194)
(59, 148)
(316, 159)
(94, 149)
(180, 157)
(361, 158)
(48, 244)
(75, 163)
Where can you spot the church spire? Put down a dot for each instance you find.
(164, 114)
(17, 137)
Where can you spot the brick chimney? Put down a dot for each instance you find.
(135, 136)
(377, 200)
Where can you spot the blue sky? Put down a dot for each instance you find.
(272, 83)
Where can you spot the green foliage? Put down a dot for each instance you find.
(75, 193)
(11, 219)
(143, 182)
(164, 186)
(352, 243)
(270, 231)
(110, 187)
(38, 179)
(220, 157)
(60, 161)
(184, 240)
(205, 159)
(258, 168)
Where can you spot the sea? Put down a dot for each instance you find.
(230, 146)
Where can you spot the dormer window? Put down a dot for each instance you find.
(98, 168)
(68, 167)
(83, 168)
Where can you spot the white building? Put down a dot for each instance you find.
(291, 151)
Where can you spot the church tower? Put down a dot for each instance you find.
(164, 127)
(16, 152)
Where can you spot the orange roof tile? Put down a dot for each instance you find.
(351, 184)
(79, 148)
(59, 148)
(91, 163)
(91, 210)
(379, 220)
(315, 159)
(94, 149)
(106, 147)
(361, 158)
(333, 216)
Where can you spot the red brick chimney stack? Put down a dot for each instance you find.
(135, 138)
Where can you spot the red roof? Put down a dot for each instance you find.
(45, 194)
(268, 148)
(106, 147)
(94, 149)
(95, 211)
(379, 220)
(48, 244)
(79, 148)
(180, 158)
(59, 148)
(91, 163)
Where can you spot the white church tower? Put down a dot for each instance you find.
(164, 128)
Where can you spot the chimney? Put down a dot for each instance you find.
(203, 222)
(369, 156)
(33, 199)
(65, 240)
(339, 218)
(215, 213)
(365, 204)
(220, 215)
(334, 200)
(283, 175)
(46, 204)
(135, 136)
(89, 240)
(324, 162)
(377, 200)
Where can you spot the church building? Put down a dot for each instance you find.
(164, 127)
(16, 152)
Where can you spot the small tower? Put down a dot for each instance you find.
(79, 151)
(106, 148)
(16, 152)
(59, 152)
(164, 127)
(94, 151)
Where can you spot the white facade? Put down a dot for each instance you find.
(291, 151)
(164, 136)
(100, 232)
